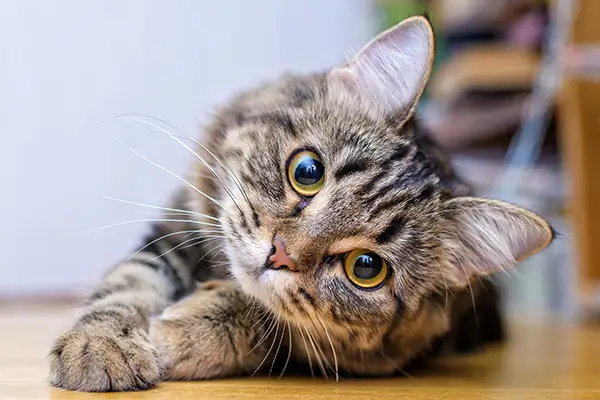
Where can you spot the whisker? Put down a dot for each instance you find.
(149, 220)
(319, 361)
(173, 174)
(268, 352)
(251, 310)
(218, 247)
(337, 376)
(181, 136)
(203, 239)
(263, 320)
(168, 215)
(162, 131)
(289, 350)
(175, 138)
(190, 232)
(161, 208)
(323, 355)
(178, 246)
(277, 351)
(265, 335)
(230, 172)
(308, 357)
(225, 255)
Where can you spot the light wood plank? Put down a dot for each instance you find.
(542, 361)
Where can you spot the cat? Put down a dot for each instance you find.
(347, 244)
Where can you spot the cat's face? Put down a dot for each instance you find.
(328, 173)
(340, 189)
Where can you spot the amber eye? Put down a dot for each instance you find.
(365, 269)
(306, 173)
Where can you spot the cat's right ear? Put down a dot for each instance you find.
(391, 71)
(490, 236)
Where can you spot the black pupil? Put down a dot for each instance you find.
(367, 266)
(308, 172)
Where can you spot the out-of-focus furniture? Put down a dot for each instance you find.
(480, 88)
(579, 116)
(485, 67)
(578, 109)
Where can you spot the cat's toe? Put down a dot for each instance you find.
(103, 361)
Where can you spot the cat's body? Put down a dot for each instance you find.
(301, 288)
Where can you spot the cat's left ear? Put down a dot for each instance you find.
(392, 70)
(489, 236)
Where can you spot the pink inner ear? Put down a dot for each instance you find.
(392, 69)
(492, 236)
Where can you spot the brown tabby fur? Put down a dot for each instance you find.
(387, 189)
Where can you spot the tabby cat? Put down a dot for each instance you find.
(346, 243)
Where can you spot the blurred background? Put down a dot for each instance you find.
(513, 97)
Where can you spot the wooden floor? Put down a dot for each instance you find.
(543, 361)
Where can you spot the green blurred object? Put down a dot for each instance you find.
(394, 11)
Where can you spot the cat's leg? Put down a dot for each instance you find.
(216, 332)
(108, 348)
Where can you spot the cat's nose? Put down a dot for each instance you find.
(279, 257)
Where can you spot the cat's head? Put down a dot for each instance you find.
(335, 213)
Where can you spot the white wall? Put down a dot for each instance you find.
(67, 66)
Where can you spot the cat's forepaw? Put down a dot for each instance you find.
(100, 359)
(196, 338)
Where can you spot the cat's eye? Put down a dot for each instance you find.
(306, 173)
(365, 269)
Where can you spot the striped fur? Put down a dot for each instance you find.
(387, 189)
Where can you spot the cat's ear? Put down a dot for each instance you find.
(491, 236)
(392, 70)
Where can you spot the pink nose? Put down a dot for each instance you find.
(280, 258)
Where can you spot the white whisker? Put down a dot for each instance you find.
(277, 351)
(162, 208)
(306, 349)
(263, 320)
(268, 352)
(289, 350)
(337, 376)
(218, 247)
(162, 131)
(236, 180)
(173, 174)
(175, 138)
(324, 357)
(319, 361)
(149, 220)
(179, 245)
(191, 232)
(254, 308)
(265, 335)
(202, 239)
